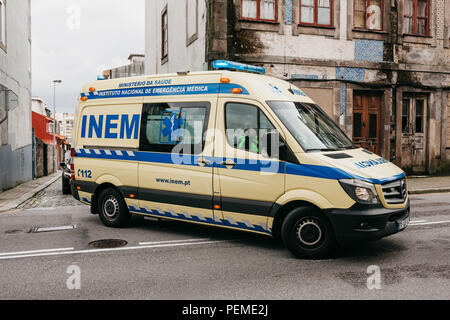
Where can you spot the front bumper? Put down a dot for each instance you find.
(365, 222)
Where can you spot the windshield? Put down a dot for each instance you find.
(310, 126)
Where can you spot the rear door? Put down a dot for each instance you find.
(249, 181)
(175, 163)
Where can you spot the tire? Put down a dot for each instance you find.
(112, 209)
(65, 185)
(307, 233)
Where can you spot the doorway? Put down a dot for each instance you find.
(414, 138)
(367, 120)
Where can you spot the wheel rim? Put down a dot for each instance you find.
(111, 207)
(309, 232)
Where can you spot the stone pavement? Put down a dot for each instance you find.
(12, 198)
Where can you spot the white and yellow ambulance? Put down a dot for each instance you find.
(230, 148)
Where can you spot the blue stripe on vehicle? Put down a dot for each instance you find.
(246, 225)
(307, 170)
(172, 90)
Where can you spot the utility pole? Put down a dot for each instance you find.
(54, 122)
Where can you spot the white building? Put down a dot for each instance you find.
(184, 45)
(15, 93)
(66, 123)
(38, 105)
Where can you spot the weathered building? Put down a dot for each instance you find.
(381, 69)
(15, 93)
(134, 68)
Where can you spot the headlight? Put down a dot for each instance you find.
(360, 191)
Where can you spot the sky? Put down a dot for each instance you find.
(75, 40)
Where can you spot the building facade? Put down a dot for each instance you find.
(65, 126)
(15, 93)
(135, 68)
(380, 69)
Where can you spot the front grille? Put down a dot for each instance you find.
(395, 192)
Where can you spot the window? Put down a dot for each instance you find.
(416, 15)
(368, 14)
(405, 114)
(164, 34)
(3, 24)
(316, 12)
(263, 10)
(245, 126)
(419, 115)
(166, 125)
(191, 21)
(357, 129)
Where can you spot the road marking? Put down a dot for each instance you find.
(428, 223)
(417, 221)
(109, 250)
(34, 252)
(173, 241)
(57, 228)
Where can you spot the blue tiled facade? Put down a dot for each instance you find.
(352, 74)
(288, 11)
(343, 98)
(368, 50)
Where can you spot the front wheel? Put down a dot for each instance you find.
(113, 210)
(307, 233)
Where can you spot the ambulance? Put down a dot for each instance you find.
(231, 148)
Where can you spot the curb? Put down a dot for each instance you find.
(27, 196)
(431, 190)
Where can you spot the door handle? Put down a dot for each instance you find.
(202, 162)
(228, 163)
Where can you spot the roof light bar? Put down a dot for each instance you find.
(230, 65)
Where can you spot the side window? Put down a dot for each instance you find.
(245, 126)
(166, 125)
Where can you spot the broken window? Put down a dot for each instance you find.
(316, 12)
(416, 17)
(264, 10)
(368, 14)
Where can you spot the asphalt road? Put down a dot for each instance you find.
(174, 260)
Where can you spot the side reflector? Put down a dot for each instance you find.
(83, 98)
(91, 89)
(216, 206)
(225, 80)
(131, 195)
(236, 90)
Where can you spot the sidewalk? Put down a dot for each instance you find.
(428, 184)
(10, 199)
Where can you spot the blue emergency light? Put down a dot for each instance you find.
(101, 78)
(230, 65)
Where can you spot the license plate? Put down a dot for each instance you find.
(402, 224)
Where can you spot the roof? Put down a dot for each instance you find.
(194, 84)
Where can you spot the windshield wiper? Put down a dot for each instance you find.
(325, 149)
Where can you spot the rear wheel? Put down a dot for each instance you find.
(307, 233)
(112, 209)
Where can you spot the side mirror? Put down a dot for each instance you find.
(63, 165)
